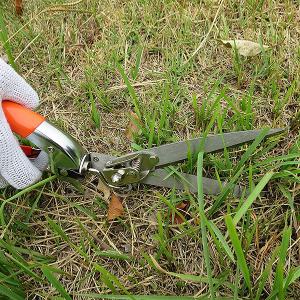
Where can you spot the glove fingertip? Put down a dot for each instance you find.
(23, 178)
(31, 97)
(15, 88)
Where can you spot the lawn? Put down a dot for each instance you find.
(97, 65)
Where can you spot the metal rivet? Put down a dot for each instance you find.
(116, 178)
(50, 149)
(121, 172)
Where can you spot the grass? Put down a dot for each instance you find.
(203, 222)
(94, 64)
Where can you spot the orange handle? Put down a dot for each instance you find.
(22, 120)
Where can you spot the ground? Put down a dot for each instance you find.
(55, 238)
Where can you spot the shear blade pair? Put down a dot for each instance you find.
(174, 153)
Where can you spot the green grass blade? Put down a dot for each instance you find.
(58, 230)
(225, 191)
(112, 278)
(287, 97)
(196, 109)
(131, 90)
(9, 279)
(236, 283)
(238, 171)
(96, 118)
(162, 238)
(284, 190)
(21, 193)
(55, 283)
(16, 258)
(25, 268)
(113, 254)
(5, 41)
(105, 278)
(185, 277)
(264, 276)
(33, 206)
(251, 148)
(292, 277)
(9, 293)
(12, 250)
(211, 225)
(279, 275)
(203, 223)
(255, 193)
(91, 214)
(142, 297)
(135, 70)
(237, 245)
(151, 131)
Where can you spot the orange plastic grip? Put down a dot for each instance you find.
(22, 120)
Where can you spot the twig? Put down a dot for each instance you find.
(138, 84)
(203, 42)
(27, 46)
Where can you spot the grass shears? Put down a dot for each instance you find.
(148, 166)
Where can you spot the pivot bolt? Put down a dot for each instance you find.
(117, 176)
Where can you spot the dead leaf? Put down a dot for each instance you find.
(132, 127)
(244, 47)
(180, 213)
(115, 208)
(102, 187)
(19, 7)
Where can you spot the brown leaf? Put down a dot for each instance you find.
(19, 7)
(115, 208)
(244, 47)
(102, 187)
(180, 213)
(132, 127)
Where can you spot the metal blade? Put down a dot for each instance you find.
(162, 178)
(98, 161)
(177, 152)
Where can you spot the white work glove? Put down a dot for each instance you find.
(15, 168)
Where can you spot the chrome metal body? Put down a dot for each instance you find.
(65, 152)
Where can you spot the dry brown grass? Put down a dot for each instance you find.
(56, 45)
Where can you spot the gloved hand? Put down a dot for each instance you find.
(15, 168)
